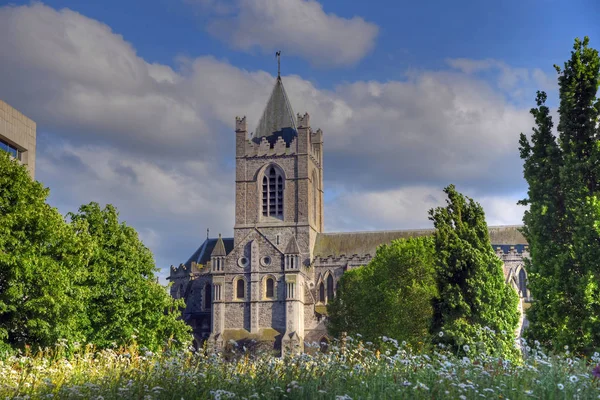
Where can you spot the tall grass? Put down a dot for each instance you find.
(387, 370)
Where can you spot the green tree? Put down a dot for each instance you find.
(125, 298)
(42, 259)
(562, 225)
(472, 293)
(391, 296)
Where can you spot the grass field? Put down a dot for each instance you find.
(357, 370)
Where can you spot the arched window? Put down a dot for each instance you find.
(272, 194)
(270, 287)
(207, 296)
(181, 291)
(322, 293)
(240, 289)
(330, 288)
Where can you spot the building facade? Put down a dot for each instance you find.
(272, 281)
(18, 136)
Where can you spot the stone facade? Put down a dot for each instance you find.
(272, 281)
(18, 136)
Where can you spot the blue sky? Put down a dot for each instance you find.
(135, 101)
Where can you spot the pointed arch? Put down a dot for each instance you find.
(272, 184)
(330, 292)
(239, 288)
(322, 298)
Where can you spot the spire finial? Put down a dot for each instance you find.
(278, 54)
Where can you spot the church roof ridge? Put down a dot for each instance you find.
(277, 115)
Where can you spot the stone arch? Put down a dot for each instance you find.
(521, 277)
(240, 288)
(266, 293)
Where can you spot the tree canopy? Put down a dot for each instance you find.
(472, 294)
(562, 224)
(88, 280)
(391, 296)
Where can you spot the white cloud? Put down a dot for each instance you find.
(408, 208)
(298, 27)
(158, 141)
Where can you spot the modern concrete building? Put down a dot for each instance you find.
(17, 136)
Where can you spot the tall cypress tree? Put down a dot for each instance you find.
(472, 293)
(563, 222)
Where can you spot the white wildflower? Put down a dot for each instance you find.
(573, 379)
(560, 386)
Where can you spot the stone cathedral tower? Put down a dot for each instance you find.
(273, 280)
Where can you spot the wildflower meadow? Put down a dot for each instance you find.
(353, 369)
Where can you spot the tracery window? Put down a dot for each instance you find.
(272, 193)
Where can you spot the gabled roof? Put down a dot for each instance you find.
(278, 117)
(219, 249)
(203, 253)
(363, 243)
(292, 247)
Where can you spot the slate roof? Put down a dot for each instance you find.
(277, 118)
(203, 253)
(363, 243)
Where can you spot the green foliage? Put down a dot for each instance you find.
(125, 299)
(89, 280)
(472, 294)
(562, 224)
(391, 296)
(41, 264)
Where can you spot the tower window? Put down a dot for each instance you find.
(270, 287)
(272, 193)
(240, 289)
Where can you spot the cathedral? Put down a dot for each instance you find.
(272, 280)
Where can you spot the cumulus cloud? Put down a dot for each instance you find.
(408, 208)
(299, 27)
(157, 141)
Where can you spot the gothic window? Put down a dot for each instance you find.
(270, 288)
(207, 296)
(272, 193)
(330, 288)
(240, 289)
(322, 293)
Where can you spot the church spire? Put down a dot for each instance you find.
(278, 117)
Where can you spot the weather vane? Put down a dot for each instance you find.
(278, 54)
